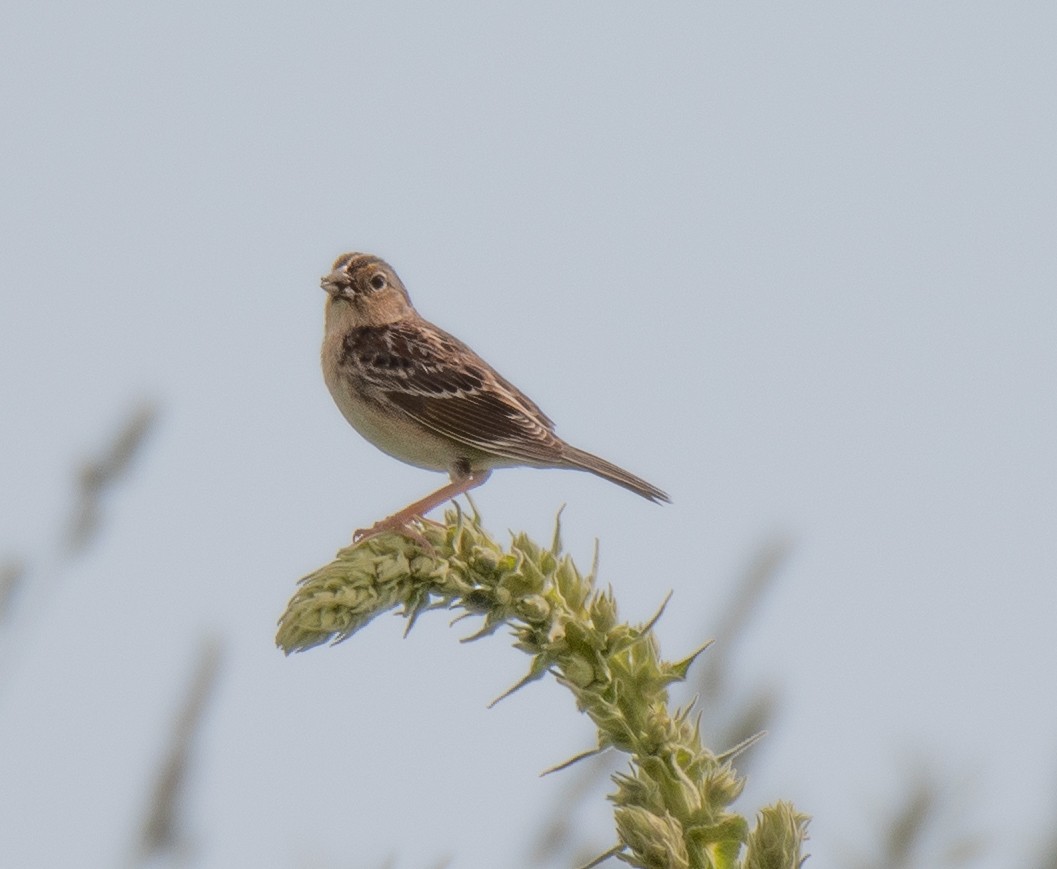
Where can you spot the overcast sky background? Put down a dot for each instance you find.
(794, 263)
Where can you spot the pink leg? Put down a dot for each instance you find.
(402, 520)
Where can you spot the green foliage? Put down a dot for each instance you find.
(672, 804)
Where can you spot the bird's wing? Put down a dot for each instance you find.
(444, 386)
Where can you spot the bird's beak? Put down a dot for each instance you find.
(332, 283)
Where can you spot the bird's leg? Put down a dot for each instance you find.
(401, 521)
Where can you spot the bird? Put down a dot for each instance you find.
(423, 396)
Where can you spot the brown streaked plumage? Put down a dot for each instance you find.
(424, 397)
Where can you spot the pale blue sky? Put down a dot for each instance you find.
(793, 263)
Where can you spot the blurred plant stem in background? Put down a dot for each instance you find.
(672, 803)
(11, 575)
(163, 833)
(96, 479)
(928, 827)
(99, 475)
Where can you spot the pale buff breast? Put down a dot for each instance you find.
(400, 438)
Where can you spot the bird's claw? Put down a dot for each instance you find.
(406, 528)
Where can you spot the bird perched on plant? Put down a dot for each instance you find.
(424, 397)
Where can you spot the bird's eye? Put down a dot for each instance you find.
(378, 281)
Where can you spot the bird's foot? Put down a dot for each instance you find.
(399, 524)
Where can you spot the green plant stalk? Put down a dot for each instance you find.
(672, 804)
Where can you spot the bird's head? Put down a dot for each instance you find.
(369, 287)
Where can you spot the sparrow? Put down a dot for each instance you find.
(424, 397)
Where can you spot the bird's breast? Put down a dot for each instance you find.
(384, 425)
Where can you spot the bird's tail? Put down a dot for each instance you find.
(574, 458)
